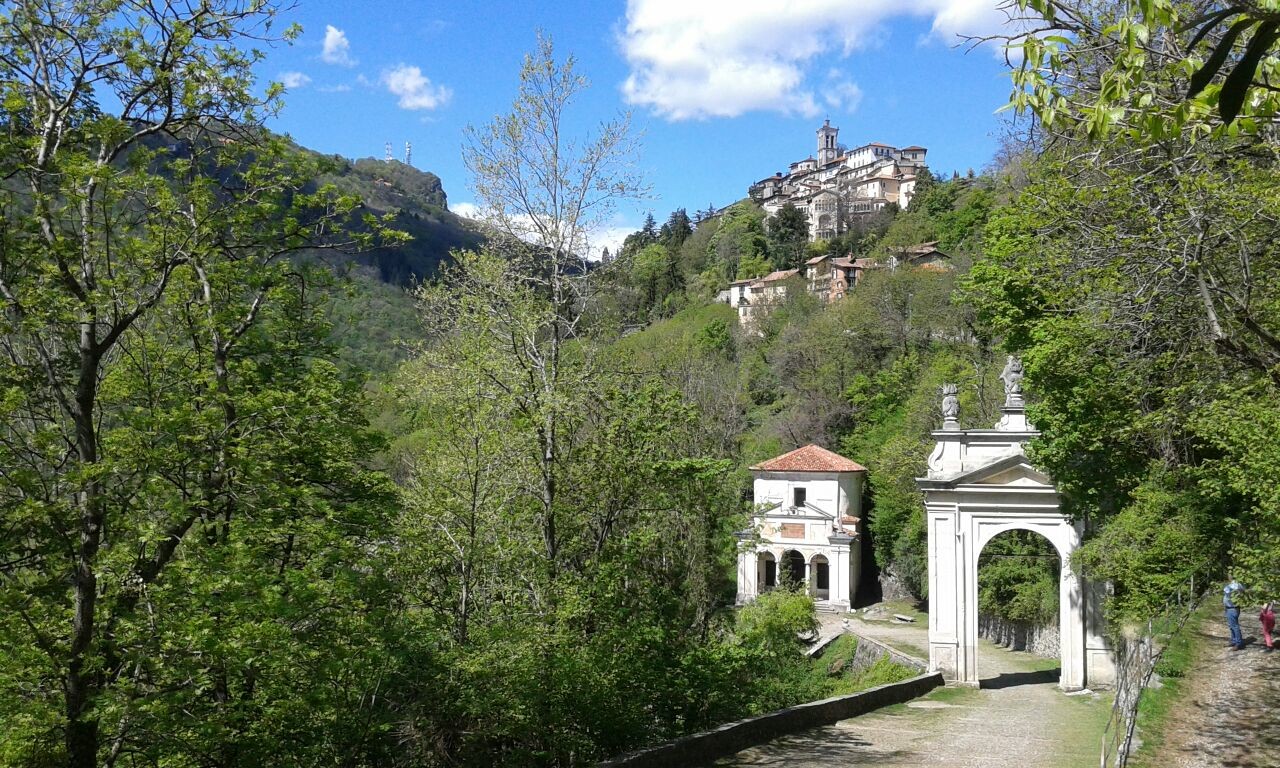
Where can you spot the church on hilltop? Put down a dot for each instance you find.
(840, 183)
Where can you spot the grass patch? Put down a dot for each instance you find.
(1082, 722)
(835, 673)
(904, 607)
(1175, 664)
(954, 694)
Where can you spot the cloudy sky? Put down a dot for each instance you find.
(725, 92)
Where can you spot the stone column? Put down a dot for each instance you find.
(1071, 625)
(967, 548)
(946, 616)
(841, 572)
(1099, 663)
(748, 566)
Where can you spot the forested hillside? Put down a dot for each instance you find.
(419, 206)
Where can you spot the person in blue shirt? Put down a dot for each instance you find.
(1229, 594)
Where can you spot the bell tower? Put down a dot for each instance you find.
(827, 148)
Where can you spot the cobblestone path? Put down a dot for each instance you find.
(1019, 719)
(1229, 715)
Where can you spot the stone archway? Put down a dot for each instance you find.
(794, 566)
(979, 485)
(819, 577)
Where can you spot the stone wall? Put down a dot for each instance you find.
(869, 652)
(708, 746)
(1040, 640)
(892, 587)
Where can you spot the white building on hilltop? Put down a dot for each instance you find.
(807, 528)
(840, 183)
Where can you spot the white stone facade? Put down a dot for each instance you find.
(807, 528)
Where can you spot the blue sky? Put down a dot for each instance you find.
(724, 92)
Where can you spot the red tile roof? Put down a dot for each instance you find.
(810, 458)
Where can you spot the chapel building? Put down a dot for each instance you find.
(807, 528)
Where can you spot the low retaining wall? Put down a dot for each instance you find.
(708, 746)
(869, 652)
(1017, 636)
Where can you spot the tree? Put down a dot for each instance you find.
(1182, 272)
(1148, 72)
(676, 230)
(553, 209)
(144, 250)
(788, 235)
(740, 235)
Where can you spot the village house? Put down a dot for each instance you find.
(840, 183)
(830, 278)
(807, 529)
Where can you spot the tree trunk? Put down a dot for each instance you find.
(81, 686)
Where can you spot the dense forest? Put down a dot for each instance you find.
(261, 502)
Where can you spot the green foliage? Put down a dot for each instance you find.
(372, 324)
(1150, 72)
(775, 622)
(753, 266)
(835, 673)
(740, 235)
(788, 237)
(1152, 548)
(191, 535)
(1145, 315)
(1018, 578)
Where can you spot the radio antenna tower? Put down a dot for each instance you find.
(408, 153)
(387, 157)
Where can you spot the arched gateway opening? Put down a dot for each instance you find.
(979, 485)
(1019, 573)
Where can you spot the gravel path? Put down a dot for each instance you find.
(1230, 715)
(1017, 720)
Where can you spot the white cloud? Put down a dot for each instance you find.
(337, 49)
(293, 80)
(607, 235)
(466, 210)
(841, 93)
(414, 88)
(721, 58)
(339, 88)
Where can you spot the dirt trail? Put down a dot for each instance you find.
(1019, 719)
(1229, 716)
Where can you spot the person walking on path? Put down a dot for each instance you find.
(1229, 593)
(1267, 618)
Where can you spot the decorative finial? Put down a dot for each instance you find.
(1012, 378)
(950, 407)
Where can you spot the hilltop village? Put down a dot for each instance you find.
(840, 182)
(829, 191)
